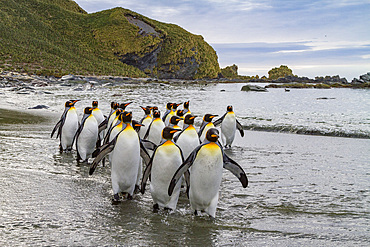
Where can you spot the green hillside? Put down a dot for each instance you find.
(56, 37)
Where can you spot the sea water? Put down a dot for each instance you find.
(307, 165)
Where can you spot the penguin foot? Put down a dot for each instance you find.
(137, 189)
(167, 209)
(195, 212)
(116, 199)
(129, 197)
(155, 208)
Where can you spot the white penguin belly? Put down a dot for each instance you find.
(205, 179)
(228, 128)
(69, 129)
(166, 161)
(146, 122)
(188, 141)
(125, 162)
(88, 137)
(155, 133)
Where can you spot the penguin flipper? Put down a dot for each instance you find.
(235, 169)
(146, 175)
(105, 149)
(219, 121)
(240, 128)
(147, 132)
(149, 145)
(144, 153)
(187, 181)
(103, 125)
(56, 127)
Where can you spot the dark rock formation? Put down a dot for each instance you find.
(253, 88)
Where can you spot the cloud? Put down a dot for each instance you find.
(305, 58)
(260, 34)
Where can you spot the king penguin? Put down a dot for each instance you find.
(180, 114)
(188, 138)
(67, 126)
(164, 162)
(205, 164)
(126, 151)
(154, 132)
(168, 114)
(146, 120)
(174, 121)
(98, 114)
(206, 125)
(186, 108)
(229, 124)
(86, 136)
(100, 118)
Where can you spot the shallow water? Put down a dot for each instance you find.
(303, 189)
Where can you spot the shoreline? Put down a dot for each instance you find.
(16, 79)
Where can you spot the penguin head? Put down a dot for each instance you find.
(212, 135)
(88, 110)
(71, 103)
(174, 106)
(156, 114)
(175, 120)
(189, 119)
(168, 132)
(229, 108)
(154, 108)
(115, 105)
(186, 104)
(180, 113)
(169, 106)
(124, 105)
(136, 125)
(127, 117)
(208, 117)
(112, 104)
(95, 104)
(146, 110)
(118, 111)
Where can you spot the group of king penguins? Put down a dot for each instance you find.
(174, 153)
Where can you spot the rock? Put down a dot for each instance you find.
(254, 88)
(39, 107)
(67, 77)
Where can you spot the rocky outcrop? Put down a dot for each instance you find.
(254, 88)
(365, 78)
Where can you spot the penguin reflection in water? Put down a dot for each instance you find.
(67, 126)
(205, 164)
(126, 151)
(229, 124)
(87, 136)
(166, 159)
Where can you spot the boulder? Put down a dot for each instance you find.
(254, 88)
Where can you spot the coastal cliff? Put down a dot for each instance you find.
(58, 37)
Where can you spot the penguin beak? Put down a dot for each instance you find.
(139, 125)
(128, 103)
(213, 116)
(214, 136)
(193, 117)
(143, 108)
(174, 131)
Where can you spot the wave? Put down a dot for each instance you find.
(306, 131)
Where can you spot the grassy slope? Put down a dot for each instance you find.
(58, 37)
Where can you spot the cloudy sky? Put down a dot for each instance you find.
(312, 37)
